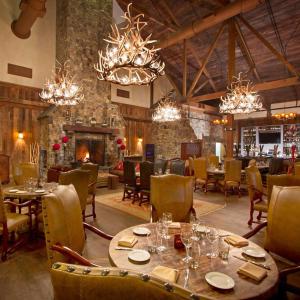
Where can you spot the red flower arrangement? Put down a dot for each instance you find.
(56, 147)
(123, 147)
(65, 139)
(119, 141)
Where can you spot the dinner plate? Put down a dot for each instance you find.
(21, 192)
(13, 191)
(39, 191)
(254, 252)
(219, 280)
(141, 231)
(139, 255)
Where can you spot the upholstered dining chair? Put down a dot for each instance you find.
(174, 194)
(11, 222)
(232, 179)
(276, 166)
(160, 164)
(213, 160)
(177, 167)
(256, 193)
(131, 188)
(64, 228)
(24, 171)
(93, 168)
(191, 166)
(200, 173)
(80, 179)
(282, 235)
(146, 170)
(82, 283)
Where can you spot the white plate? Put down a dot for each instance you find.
(141, 231)
(254, 252)
(13, 191)
(219, 280)
(21, 192)
(139, 255)
(39, 191)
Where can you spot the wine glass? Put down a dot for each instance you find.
(167, 220)
(186, 238)
(161, 231)
(194, 221)
(212, 235)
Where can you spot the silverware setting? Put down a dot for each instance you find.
(123, 248)
(265, 266)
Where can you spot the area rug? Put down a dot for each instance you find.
(115, 201)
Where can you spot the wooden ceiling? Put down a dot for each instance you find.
(269, 53)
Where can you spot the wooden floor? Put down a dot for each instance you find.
(25, 274)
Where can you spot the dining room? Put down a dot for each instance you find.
(149, 149)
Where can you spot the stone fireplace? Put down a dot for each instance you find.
(90, 150)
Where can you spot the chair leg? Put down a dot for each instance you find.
(123, 195)
(251, 214)
(239, 190)
(259, 216)
(83, 215)
(4, 245)
(94, 207)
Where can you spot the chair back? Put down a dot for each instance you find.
(177, 167)
(3, 217)
(191, 166)
(174, 194)
(233, 170)
(213, 160)
(276, 166)
(283, 230)
(62, 221)
(80, 180)
(160, 164)
(253, 181)
(23, 171)
(297, 169)
(200, 168)
(129, 173)
(281, 180)
(146, 170)
(84, 283)
(93, 168)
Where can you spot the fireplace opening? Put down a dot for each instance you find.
(90, 151)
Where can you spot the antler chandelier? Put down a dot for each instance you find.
(61, 89)
(240, 98)
(166, 110)
(128, 59)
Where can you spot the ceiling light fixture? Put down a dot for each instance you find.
(61, 89)
(220, 122)
(167, 110)
(128, 58)
(285, 116)
(240, 98)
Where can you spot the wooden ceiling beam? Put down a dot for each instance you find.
(279, 56)
(263, 86)
(201, 86)
(222, 14)
(246, 51)
(185, 69)
(207, 56)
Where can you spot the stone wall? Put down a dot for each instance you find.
(81, 27)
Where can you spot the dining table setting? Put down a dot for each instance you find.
(208, 261)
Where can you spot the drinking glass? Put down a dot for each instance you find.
(212, 235)
(151, 245)
(194, 221)
(161, 231)
(195, 254)
(167, 220)
(160, 171)
(223, 249)
(202, 228)
(186, 238)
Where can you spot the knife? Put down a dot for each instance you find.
(253, 262)
(123, 248)
(186, 277)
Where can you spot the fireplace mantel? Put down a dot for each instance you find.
(91, 129)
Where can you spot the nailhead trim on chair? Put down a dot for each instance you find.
(86, 271)
(70, 269)
(104, 272)
(195, 297)
(123, 273)
(169, 287)
(56, 266)
(145, 277)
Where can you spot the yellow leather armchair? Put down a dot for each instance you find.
(283, 232)
(76, 282)
(213, 160)
(63, 226)
(23, 171)
(80, 180)
(174, 194)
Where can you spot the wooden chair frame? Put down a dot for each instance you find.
(256, 199)
(92, 185)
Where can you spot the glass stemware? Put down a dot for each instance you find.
(194, 221)
(167, 220)
(161, 230)
(186, 238)
(212, 235)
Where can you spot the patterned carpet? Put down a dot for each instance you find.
(114, 200)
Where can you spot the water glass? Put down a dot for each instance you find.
(151, 242)
(202, 228)
(167, 220)
(223, 249)
(212, 236)
(195, 255)
(160, 171)
(161, 230)
(186, 238)
(194, 222)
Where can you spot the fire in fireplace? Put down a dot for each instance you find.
(89, 150)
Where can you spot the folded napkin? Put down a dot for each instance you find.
(127, 241)
(175, 225)
(252, 271)
(236, 241)
(166, 273)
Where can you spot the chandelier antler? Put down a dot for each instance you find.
(167, 110)
(61, 89)
(128, 58)
(240, 98)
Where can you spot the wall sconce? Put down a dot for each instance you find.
(140, 140)
(20, 135)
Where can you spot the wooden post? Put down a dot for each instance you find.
(231, 73)
(184, 78)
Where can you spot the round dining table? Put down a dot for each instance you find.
(244, 288)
